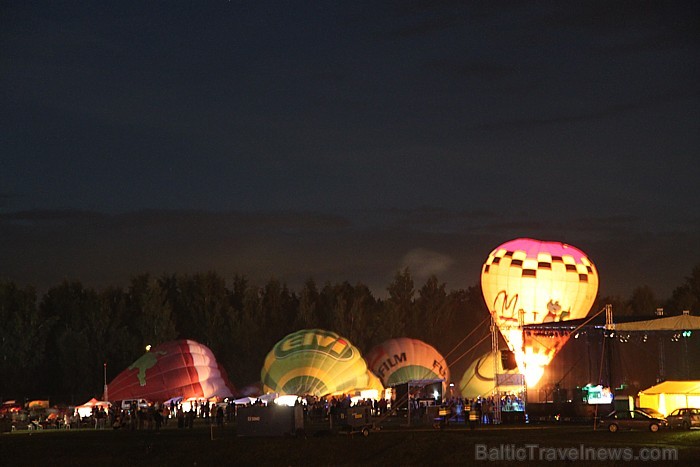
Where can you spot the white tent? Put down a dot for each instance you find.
(265, 398)
(670, 395)
(245, 401)
(684, 322)
(173, 400)
(86, 409)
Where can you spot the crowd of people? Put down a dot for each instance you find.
(316, 409)
(153, 417)
(128, 416)
(136, 415)
(475, 411)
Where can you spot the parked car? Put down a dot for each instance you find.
(653, 412)
(632, 420)
(684, 418)
(135, 404)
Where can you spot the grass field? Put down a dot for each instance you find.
(398, 446)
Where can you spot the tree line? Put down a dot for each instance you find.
(56, 347)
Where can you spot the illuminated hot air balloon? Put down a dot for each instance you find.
(183, 368)
(478, 380)
(314, 362)
(401, 360)
(526, 281)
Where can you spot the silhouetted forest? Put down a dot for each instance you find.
(54, 346)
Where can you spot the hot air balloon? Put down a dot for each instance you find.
(526, 281)
(182, 368)
(478, 379)
(314, 362)
(403, 359)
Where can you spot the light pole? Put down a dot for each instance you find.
(662, 372)
(494, 353)
(106, 396)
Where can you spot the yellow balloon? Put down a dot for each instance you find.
(478, 380)
(314, 362)
(527, 281)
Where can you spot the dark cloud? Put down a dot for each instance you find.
(433, 218)
(482, 69)
(46, 216)
(425, 27)
(171, 219)
(597, 114)
(345, 140)
(5, 199)
(43, 248)
(424, 263)
(600, 17)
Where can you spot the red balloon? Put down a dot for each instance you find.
(183, 368)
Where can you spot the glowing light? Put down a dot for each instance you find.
(288, 400)
(532, 364)
(597, 394)
(370, 394)
(662, 404)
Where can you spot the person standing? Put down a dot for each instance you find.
(158, 419)
(473, 415)
(220, 417)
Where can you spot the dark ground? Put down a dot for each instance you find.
(393, 446)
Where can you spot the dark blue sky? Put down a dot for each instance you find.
(344, 140)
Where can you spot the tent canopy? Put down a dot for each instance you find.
(95, 403)
(670, 395)
(266, 398)
(682, 322)
(674, 387)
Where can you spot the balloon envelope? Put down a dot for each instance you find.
(478, 380)
(314, 362)
(527, 281)
(403, 359)
(183, 368)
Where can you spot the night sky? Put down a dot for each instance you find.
(346, 140)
